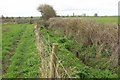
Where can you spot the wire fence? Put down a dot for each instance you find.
(46, 51)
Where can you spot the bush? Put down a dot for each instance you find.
(98, 41)
(47, 11)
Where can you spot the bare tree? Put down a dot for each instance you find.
(47, 11)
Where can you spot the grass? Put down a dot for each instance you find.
(25, 62)
(72, 64)
(10, 33)
(98, 40)
(72, 36)
(105, 20)
(101, 19)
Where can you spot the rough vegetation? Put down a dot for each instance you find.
(97, 43)
(72, 64)
(87, 49)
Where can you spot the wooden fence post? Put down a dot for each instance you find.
(53, 56)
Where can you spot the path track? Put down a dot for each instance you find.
(6, 63)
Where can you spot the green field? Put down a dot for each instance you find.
(109, 20)
(21, 59)
(102, 19)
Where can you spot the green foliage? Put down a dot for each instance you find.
(62, 40)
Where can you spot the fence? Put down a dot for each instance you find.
(50, 63)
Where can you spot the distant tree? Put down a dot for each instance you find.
(96, 14)
(31, 17)
(84, 14)
(58, 15)
(19, 17)
(47, 11)
(7, 17)
(2, 17)
(12, 17)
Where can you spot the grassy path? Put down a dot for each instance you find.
(12, 51)
(11, 37)
(25, 62)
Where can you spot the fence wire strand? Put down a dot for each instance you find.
(47, 48)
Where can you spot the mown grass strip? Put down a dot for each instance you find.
(10, 34)
(10, 39)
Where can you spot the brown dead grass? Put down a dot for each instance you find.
(89, 32)
(5, 29)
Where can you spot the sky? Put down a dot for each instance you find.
(15, 8)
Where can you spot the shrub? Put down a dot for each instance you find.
(47, 11)
(88, 32)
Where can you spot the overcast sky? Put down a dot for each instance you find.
(62, 7)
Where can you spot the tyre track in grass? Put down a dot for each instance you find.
(25, 62)
(6, 62)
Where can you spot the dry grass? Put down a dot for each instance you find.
(89, 32)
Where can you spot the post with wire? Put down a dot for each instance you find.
(53, 61)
